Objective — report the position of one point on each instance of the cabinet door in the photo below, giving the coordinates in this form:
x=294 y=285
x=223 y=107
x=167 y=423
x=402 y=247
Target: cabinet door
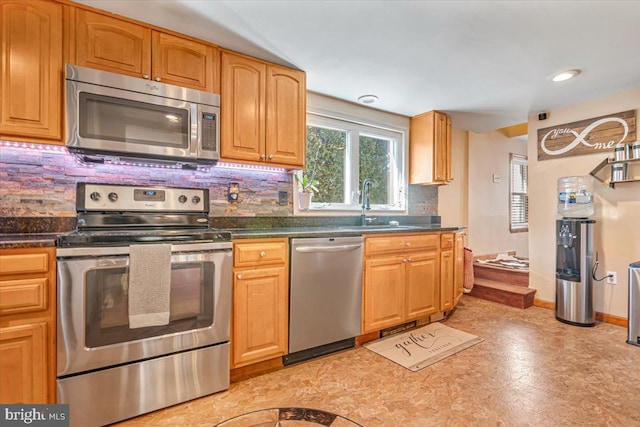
x=31 y=85
x=383 y=293
x=458 y=269
x=448 y=174
x=23 y=363
x=182 y=62
x=421 y=141
x=440 y=149
x=111 y=44
x=242 y=107
x=286 y=117
x=422 y=285
x=446 y=280
x=260 y=315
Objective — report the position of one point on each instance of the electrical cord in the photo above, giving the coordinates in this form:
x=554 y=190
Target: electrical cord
x=593 y=271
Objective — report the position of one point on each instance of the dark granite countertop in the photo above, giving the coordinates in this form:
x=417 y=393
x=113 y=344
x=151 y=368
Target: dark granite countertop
x=28 y=240
x=33 y=232
x=334 y=231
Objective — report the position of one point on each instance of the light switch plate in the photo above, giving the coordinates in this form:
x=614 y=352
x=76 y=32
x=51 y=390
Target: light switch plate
x=496 y=178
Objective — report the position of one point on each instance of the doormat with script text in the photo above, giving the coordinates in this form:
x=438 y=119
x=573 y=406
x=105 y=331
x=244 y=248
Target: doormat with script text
x=424 y=346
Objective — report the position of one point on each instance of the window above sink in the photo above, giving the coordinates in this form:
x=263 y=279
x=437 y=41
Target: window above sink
x=342 y=153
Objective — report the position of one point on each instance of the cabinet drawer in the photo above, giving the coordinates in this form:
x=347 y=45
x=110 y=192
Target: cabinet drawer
x=259 y=253
x=446 y=241
x=24 y=263
x=377 y=245
x=19 y=296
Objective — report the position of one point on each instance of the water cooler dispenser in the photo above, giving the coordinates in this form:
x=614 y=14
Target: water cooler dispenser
x=575 y=303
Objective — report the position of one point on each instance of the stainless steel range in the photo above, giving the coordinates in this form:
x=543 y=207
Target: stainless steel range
x=144 y=302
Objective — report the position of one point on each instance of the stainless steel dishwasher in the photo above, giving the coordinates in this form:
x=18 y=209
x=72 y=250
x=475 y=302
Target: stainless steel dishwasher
x=325 y=296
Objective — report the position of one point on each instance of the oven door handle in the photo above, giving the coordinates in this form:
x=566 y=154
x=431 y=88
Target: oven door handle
x=124 y=250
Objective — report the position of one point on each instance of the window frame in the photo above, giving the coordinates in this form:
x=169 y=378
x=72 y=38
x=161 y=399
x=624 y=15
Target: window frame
x=518 y=159
x=398 y=176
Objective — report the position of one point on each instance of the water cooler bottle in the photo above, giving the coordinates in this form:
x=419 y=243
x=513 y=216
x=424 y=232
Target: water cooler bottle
x=575 y=303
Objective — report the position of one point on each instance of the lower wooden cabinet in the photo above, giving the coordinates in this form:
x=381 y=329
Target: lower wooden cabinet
x=421 y=290
x=260 y=321
x=446 y=280
x=400 y=283
x=23 y=363
x=27 y=325
x=458 y=267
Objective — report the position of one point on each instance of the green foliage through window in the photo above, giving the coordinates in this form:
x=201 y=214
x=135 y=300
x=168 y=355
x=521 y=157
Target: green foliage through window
x=342 y=154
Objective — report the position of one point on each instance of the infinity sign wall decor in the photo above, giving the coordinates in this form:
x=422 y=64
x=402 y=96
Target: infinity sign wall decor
x=599 y=134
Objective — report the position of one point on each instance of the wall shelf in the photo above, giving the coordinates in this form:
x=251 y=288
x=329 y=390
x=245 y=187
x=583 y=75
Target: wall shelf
x=602 y=172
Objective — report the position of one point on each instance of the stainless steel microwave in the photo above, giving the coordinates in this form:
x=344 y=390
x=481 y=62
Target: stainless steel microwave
x=111 y=117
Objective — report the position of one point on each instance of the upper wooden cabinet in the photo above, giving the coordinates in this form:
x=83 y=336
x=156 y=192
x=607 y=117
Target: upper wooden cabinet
x=263 y=112
x=31 y=85
x=242 y=103
x=109 y=44
x=286 y=116
x=185 y=62
x=27 y=325
x=119 y=46
x=430 y=149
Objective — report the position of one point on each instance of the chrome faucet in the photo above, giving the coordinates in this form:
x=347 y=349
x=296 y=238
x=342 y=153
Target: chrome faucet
x=365 y=203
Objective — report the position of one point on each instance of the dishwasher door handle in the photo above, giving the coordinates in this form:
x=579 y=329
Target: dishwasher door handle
x=337 y=248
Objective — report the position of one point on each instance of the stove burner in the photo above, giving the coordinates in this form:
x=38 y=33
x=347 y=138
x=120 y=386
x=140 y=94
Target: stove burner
x=137 y=214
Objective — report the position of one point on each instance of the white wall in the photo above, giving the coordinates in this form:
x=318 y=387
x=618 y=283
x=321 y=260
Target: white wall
x=453 y=206
x=617 y=211
x=489 y=201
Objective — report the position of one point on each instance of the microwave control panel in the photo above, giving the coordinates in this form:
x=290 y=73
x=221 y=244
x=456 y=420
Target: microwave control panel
x=208 y=125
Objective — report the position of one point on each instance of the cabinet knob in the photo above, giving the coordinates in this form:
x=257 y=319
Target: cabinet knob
x=158 y=78
x=410 y=259
x=404 y=260
x=270 y=156
x=239 y=277
x=263 y=253
x=408 y=244
x=445 y=255
x=262 y=156
x=145 y=76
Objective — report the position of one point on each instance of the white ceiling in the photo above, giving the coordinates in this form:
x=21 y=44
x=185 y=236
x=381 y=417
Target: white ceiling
x=486 y=63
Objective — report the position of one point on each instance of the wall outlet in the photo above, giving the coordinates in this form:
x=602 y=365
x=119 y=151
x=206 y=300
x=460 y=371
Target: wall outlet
x=283 y=198
x=234 y=192
x=612 y=278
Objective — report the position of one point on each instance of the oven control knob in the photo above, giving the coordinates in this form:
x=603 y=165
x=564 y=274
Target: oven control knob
x=196 y=199
x=182 y=199
x=95 y=196
x=113 y=196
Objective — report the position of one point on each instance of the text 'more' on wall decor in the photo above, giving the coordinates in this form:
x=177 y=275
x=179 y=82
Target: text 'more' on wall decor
x=596 y=135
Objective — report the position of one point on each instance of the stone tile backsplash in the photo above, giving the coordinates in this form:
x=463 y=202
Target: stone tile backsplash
x=41 y=181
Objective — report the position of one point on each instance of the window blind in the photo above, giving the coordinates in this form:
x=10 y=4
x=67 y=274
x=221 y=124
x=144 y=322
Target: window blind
x=519 y=200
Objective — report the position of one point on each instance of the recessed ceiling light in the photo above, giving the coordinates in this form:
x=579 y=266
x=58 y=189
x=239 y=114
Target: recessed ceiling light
x=368 y=99
x=565 y=75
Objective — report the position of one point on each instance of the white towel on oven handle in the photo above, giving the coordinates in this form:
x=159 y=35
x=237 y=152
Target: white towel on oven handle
x=149 y=285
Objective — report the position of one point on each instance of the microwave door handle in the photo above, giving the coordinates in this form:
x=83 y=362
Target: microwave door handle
x=196 y=139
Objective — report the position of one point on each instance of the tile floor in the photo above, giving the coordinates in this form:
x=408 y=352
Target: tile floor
x=531 y=370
